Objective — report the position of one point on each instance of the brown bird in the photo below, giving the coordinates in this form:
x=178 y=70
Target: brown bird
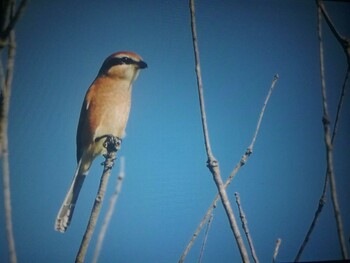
x=105 y=111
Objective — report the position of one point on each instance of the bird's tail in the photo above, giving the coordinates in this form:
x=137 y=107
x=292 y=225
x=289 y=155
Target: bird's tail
x=67 y=208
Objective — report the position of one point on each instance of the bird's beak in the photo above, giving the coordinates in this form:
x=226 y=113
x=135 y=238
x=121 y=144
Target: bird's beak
x=141 y=64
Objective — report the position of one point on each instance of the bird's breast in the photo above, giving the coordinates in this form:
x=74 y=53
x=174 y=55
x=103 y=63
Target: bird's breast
x=108 y=108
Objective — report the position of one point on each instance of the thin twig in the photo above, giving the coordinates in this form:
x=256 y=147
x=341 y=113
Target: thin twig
x=277 y=247
x=241 y=162
x=112 y=145
x=328 y=144
x=275 y=78
x=340 y=103
x=320 y=206
x=205 y=238
x=212 y=163
x=110 y=211
x=245 y=228
x=198 y=230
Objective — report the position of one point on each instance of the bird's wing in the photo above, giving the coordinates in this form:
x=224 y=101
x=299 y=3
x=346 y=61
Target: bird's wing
x=83 y=130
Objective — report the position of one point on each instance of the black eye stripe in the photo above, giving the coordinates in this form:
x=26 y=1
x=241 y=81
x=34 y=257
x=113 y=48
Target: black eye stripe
x=116 y=61
x=127 y=60
x=120 y=61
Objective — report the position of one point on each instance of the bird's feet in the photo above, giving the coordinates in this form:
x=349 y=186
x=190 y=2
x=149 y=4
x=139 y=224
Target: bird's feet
x=110 y=139
x=112 y=145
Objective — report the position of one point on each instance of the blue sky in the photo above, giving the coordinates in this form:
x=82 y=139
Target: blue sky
x=167 y=189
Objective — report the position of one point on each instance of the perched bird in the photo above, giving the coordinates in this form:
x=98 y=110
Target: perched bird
x=105 y=112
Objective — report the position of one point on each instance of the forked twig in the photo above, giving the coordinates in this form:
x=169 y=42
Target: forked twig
x=241 y=162
x=343 y=41
x=328 y=144
x=110 y=210
x=322 y=199
x=112 y=144
x=212 y=163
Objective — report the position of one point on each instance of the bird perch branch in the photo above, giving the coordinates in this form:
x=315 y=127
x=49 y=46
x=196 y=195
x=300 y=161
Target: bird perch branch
x=112 y=144
x=5 y=95
x=110 y=211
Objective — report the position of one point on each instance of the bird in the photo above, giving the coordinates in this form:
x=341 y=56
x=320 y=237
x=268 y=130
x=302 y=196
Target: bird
x=105 y=112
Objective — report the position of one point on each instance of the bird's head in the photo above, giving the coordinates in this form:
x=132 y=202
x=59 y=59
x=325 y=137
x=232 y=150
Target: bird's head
x=123 y=65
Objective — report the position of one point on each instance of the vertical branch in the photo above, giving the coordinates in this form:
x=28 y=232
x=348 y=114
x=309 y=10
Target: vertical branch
x=112 y=144
x=199 y=83
x=6 y=94
x=6 y=85
x=212 y=163
x=205 y=238
x=110 y=211
x=245 y=228
x=344 y=43
x=239 y=165
x=328 y=144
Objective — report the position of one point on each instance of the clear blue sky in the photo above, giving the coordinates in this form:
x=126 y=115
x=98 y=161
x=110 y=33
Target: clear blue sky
x=60 y=48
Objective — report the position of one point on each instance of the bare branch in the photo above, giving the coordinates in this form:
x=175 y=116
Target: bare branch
x=323 y=198
x=241 y=162
x=110 y=211
x=328 y=144
x=212 y=163
x=7 y=20
x=275 y=78
x=6 y=86
x=245 y=228
x=113 y=145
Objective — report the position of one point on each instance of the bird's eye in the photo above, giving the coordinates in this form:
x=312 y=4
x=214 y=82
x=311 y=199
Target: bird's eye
x=127 y=60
